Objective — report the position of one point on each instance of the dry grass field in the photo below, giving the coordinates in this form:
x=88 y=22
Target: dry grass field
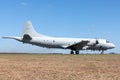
x=59 y=67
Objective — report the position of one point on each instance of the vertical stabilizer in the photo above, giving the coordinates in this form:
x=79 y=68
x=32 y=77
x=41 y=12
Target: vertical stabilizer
x=29 y=30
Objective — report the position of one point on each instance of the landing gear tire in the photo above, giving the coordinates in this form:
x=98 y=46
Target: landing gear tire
x=77 y=52
x=102 y=52
x=72 y=52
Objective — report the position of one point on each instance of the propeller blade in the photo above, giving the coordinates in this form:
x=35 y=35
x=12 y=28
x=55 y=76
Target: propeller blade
x=97 y=42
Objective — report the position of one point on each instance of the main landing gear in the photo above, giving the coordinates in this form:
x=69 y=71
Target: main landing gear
x=76 y=52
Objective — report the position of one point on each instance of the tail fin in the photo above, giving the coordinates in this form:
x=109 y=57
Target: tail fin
x=29 y=30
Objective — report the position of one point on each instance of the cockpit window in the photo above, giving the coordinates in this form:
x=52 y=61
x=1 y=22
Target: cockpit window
x=107 y=41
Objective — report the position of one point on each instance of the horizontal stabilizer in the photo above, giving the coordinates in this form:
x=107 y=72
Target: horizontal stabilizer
x=10 y=37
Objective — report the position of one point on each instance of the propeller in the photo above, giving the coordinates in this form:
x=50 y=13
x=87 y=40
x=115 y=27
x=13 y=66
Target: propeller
x=96 y=42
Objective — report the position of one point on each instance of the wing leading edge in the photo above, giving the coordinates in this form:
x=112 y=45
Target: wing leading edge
x=78 y=46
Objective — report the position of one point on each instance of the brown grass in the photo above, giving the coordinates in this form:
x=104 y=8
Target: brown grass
x=59 y=67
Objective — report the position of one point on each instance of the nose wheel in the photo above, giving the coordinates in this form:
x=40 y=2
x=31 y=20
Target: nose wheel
x=102 y=52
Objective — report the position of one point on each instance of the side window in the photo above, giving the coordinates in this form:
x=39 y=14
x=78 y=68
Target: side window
x=53 y=40
x=107 y=41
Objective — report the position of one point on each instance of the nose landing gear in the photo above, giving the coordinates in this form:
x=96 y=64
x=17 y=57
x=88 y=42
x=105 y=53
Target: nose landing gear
x=102 y=52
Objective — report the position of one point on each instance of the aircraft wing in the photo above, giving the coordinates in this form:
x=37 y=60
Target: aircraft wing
x=78 y=46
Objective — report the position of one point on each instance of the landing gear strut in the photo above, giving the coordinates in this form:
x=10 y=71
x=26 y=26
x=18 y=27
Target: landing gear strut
x=102 y=52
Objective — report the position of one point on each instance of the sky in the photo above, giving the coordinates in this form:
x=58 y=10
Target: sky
x=61 y=18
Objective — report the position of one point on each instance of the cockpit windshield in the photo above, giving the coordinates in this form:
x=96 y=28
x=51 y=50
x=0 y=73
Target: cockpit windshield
x=107 y=41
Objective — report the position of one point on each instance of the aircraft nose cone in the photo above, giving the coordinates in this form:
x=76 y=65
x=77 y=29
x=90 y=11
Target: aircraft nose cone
x=112 y=46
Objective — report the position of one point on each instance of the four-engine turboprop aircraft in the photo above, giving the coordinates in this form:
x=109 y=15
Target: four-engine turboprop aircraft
x=30 y=36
